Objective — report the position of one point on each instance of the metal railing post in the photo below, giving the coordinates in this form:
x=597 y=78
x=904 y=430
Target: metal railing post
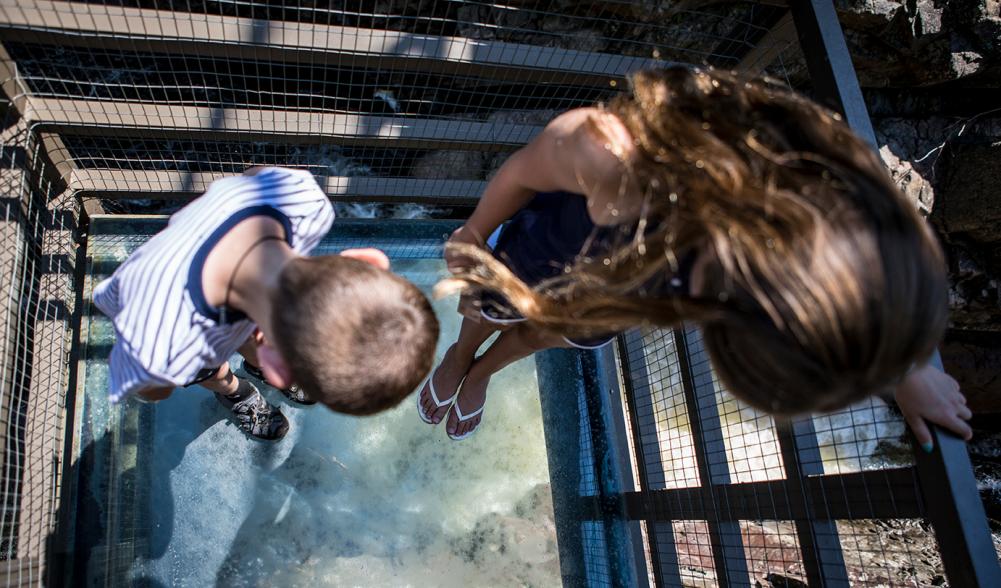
x=946 y=475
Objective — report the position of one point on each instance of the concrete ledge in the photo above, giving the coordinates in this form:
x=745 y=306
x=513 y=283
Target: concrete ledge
x=114 y=118
x=122 y=184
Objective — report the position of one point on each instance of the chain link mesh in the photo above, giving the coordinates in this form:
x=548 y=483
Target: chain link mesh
x=133 y=106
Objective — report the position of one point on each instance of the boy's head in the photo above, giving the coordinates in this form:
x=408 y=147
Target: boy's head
x=354 y=336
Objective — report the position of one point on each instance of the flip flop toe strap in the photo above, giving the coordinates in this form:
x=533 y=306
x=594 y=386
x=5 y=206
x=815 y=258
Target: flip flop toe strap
x=434 y=394
x=438 y=403
x=465 y=417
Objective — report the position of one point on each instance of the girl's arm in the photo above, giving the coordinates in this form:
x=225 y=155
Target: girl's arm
x=564 y=156
x=511 y=188
x=928 y=393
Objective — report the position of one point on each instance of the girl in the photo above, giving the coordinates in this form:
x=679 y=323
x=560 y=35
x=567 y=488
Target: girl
x=701 y=196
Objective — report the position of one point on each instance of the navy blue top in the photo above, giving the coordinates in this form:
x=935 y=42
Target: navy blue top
x=548 y=235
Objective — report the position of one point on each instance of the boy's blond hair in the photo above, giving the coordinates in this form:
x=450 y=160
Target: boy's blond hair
x=357 y=338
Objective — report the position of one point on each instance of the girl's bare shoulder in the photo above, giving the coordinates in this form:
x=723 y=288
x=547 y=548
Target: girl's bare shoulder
x=586 y=147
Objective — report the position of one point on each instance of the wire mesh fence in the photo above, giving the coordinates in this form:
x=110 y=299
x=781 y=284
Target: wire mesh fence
x=37 y=261
x=406 y=90
x=821 y=501
x=134 y=106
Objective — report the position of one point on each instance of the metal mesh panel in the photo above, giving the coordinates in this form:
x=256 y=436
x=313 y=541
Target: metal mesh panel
x=694 y=553
x=597 y=569
x=136 y=105
x=428 y=90
x=884 y=553
x=772 y=551
x=139 y=76
x=721 y=34
x=38 y=232
x=870 y=435
x=588 y=479
x=827 y=500
x=750 y=449
x=661 y=414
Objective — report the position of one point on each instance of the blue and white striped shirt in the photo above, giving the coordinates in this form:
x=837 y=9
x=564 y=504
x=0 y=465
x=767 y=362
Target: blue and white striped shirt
x=166 y=332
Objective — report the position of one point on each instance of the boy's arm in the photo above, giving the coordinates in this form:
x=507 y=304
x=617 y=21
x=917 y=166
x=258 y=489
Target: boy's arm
x=127 y=375
x=154 y=394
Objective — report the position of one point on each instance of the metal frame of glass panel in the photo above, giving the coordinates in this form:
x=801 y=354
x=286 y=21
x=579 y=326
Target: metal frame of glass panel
x=630 y=509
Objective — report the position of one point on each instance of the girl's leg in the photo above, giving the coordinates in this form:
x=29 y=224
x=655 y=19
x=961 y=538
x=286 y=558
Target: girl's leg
x=454 y=365
x=512 y=345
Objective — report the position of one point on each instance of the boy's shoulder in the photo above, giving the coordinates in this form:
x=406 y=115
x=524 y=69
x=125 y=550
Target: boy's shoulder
x=266 y=182
x=294 y=192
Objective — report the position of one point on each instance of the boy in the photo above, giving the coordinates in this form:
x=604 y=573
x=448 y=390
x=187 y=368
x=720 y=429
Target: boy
x=229 y=273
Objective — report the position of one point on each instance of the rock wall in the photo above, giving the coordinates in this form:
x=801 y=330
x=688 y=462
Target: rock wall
x=923 y=42
x=931 y=72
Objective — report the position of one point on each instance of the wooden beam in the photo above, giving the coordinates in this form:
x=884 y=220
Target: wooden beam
x=15 y=90
x=132 y=29
x=58 y=154
x=113 y=118
x=10 y=82
x=122 y=184
x=775 y=41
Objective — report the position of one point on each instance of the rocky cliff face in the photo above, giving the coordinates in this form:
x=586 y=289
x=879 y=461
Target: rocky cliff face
x=922 y=42
x=931 y=72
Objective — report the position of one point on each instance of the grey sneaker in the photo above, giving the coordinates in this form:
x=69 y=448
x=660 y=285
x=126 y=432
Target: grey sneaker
x=293 y=393
x=256 y=417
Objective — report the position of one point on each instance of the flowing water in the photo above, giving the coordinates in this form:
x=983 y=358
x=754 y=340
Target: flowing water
x=173 y=495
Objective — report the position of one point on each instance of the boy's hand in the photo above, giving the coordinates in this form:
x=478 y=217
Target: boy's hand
x=928 y=393
x=154 y=394
x=370 y=255
x=462 y=235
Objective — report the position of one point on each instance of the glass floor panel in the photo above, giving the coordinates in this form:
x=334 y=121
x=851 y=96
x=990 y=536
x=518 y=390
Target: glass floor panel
x=172 y=494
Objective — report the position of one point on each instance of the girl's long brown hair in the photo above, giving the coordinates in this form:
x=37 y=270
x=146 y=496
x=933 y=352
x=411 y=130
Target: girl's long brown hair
x=825 y=284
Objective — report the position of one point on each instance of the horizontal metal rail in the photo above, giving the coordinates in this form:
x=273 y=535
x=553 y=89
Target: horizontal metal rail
x=883 y=494
x=20 y=572
x=104 y=26
x=122 y=184
x=130 y=119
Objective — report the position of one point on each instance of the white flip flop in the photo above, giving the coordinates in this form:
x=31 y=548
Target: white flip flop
x=463 y=418
x=434 y=398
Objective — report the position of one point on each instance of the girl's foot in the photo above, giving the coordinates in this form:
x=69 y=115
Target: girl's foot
x=445 y=379
x=467 y=411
